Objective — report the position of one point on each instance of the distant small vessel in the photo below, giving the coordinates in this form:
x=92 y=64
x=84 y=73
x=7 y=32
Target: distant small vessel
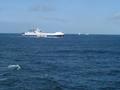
x=37 y=32
x=83 y=33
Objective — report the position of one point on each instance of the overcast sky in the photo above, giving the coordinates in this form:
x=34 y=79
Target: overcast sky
x=69 y=16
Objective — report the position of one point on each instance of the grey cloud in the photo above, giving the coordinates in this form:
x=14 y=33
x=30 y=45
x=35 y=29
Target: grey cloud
x=116 y=16
x=54 y=19
x=42 y=8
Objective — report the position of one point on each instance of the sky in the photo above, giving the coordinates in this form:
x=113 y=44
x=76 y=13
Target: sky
x=68 y=16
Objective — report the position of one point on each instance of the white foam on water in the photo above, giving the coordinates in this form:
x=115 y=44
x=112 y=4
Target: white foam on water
x=14 y=67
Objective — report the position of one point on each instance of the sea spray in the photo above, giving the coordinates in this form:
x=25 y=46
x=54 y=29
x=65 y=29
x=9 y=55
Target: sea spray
x=17 y=67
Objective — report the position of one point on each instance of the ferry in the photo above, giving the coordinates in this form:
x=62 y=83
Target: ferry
x=38 y=33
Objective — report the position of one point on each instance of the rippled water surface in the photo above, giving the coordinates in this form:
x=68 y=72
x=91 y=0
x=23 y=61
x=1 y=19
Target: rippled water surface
x=74 y=62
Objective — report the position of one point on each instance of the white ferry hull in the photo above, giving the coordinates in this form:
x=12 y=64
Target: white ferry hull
x=42 y=34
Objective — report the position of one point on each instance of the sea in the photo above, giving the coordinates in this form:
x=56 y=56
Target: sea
x=73 y=62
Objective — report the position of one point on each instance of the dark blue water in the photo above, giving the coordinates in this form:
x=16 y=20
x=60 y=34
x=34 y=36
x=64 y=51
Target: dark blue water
x=85 y=62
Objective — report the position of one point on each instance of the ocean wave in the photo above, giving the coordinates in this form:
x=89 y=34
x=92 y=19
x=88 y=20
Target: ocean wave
x=17 y=67
x=42 y=83
x=88 y=51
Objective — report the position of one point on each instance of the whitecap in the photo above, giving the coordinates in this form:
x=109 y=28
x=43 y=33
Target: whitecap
x=14 y=67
